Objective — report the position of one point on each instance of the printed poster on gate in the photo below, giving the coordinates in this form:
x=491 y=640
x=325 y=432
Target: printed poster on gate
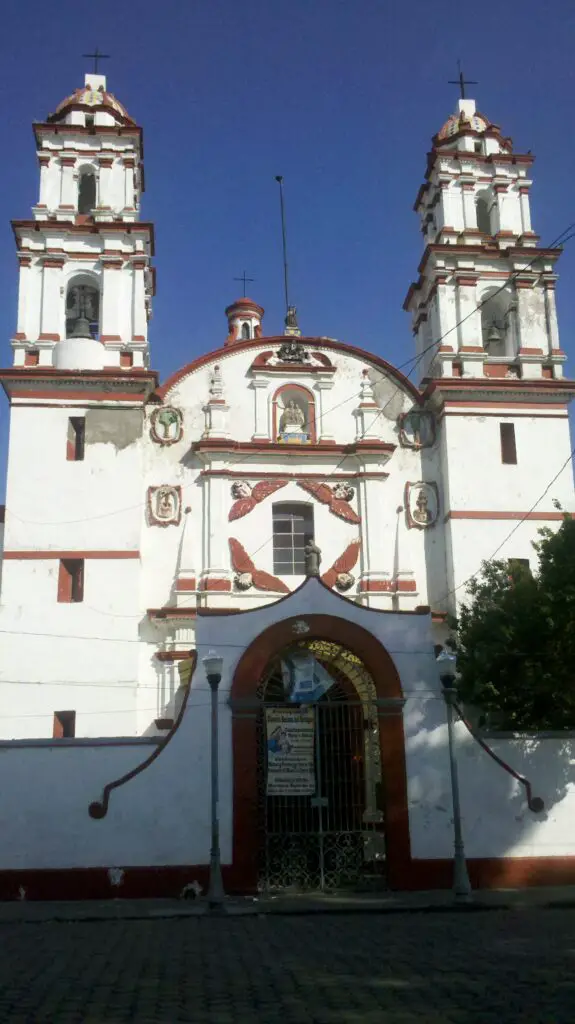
x=289 y=740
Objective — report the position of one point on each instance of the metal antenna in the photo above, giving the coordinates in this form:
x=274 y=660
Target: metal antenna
x=280 y=181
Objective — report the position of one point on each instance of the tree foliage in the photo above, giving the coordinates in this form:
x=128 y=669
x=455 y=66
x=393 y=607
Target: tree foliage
x=515 y=638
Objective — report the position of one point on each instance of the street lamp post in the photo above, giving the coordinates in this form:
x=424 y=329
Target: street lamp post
x=462 y=892
x=213 y=668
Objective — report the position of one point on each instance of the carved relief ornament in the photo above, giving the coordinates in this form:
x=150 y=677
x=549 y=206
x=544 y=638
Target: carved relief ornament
x=421 y=505
x=164 y=505
x=166 y=425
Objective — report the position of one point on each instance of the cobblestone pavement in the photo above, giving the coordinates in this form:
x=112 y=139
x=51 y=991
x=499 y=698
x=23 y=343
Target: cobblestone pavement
x=495 y=966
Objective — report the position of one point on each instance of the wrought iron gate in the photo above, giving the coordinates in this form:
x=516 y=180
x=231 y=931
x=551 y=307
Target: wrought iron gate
x=331 y=837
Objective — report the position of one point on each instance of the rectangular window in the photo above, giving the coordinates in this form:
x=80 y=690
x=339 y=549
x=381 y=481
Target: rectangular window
x=31 y=357
x=75 y=441
x=292 y=526
x=508 y=448
x=71 y=581
x=64 y=725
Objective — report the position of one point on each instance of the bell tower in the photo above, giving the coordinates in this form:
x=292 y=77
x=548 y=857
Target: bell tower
x=491 y=366
x=86 y=282
x=485 y=287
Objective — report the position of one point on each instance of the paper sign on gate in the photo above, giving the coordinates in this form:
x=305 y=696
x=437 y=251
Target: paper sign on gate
x=290 y=749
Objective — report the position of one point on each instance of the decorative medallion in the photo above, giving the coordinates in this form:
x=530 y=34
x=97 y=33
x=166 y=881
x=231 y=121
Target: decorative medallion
x=421 y=505
x=248 y=576
x=164 y=505
x=339 y=575
x=166 y=425
x=247 y=497
x=300 y=627
x=339 y=506
x=416 y=429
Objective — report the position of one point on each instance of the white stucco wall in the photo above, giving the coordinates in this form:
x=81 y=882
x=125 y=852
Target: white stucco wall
x=161 y=817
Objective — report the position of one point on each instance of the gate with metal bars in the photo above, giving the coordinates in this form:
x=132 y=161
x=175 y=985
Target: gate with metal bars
x=325 y=831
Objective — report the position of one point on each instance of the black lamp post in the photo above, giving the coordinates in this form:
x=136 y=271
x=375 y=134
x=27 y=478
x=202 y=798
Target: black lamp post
x=462 y=892
x=213 y=668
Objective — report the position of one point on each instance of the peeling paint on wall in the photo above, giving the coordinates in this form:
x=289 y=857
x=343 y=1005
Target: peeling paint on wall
x=120 y=427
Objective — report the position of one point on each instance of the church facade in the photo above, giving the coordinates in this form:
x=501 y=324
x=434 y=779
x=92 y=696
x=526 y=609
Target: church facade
x=294 y=503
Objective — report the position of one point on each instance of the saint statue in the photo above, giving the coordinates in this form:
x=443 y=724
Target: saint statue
x=422 y=513
x=292 y=420
x=312 y=557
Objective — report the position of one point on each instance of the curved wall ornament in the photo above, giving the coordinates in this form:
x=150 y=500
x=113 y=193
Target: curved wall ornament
x=98 y=809
x=340 y=575
x=421 y=502
x=248 y=576
x=416 y=429
x=338 y=506
x=166 y=425
x=247 y=497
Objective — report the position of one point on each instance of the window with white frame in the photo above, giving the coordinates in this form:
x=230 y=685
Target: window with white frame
x=292 y=528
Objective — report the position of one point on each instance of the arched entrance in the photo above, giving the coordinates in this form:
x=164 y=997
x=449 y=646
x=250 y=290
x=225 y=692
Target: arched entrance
x=320 y=794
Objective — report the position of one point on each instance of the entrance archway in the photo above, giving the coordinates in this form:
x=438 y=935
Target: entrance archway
x=248 y=691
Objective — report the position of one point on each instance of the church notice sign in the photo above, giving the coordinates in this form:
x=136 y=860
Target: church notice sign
x=290 y=736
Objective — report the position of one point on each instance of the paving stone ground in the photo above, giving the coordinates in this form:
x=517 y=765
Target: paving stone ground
x=500 y=966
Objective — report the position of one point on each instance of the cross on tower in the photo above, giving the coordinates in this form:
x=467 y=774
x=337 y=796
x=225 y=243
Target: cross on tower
x=244 y=281
x=461 y=81
x=97 y=56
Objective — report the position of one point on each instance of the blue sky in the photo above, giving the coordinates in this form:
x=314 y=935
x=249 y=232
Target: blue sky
x=339 y=96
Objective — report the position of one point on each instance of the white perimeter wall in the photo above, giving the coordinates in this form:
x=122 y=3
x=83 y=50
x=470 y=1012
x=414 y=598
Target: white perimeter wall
x=161 y=817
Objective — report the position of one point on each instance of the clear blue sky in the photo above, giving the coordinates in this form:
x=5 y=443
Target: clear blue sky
x=339 y=96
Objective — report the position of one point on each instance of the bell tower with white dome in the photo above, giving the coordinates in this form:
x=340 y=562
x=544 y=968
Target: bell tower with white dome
x=485 y=287
x=86 y=281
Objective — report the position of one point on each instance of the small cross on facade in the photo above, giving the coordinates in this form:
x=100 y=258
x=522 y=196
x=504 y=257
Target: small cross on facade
x=461 y=81
x=244 y=281
x=96 y=57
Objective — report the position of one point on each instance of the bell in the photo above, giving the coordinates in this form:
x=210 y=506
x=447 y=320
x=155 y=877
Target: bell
x=494 y=335
x=81 y=328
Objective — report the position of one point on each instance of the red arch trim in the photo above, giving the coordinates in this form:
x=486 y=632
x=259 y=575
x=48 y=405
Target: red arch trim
x=249 y=670
x=334 y=346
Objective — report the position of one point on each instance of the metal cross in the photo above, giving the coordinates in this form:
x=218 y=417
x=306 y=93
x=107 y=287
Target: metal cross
x=244 y=281
x=461 y=81
x=97 y=56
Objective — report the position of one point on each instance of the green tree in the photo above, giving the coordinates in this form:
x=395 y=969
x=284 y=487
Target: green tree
x=515 y=638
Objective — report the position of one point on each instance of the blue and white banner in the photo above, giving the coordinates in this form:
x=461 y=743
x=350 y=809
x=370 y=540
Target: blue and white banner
x=304 y=679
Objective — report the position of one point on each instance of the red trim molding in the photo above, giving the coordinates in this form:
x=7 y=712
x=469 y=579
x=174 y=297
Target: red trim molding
x=387 y=586
x=544 y=517
x=164 y=881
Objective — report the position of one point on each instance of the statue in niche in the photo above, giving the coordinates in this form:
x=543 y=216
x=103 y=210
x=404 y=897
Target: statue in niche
x=292 y=420
x=421 y=513
x=164 y=505
x=421 y=504
x=312 y=557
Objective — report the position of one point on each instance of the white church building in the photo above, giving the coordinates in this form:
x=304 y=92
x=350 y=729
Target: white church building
x=296 y=504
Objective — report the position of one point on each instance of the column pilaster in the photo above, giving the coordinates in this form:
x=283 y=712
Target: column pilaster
x=261 y=425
